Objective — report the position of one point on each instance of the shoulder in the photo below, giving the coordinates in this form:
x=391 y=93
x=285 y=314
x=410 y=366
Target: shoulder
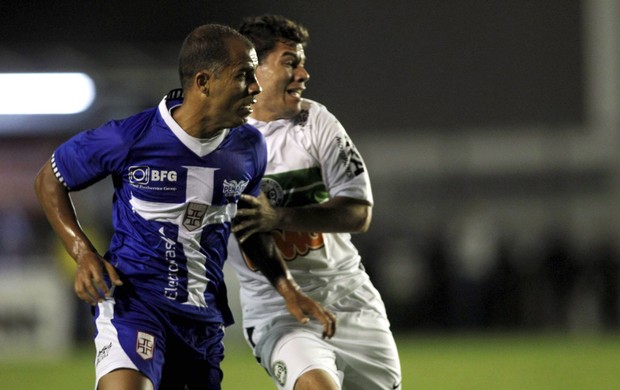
x=125 y=132
x=248 y=135
x=317 y=122
x=312 y=105
x=247 y=131
x=116 y=134
x=312 y=113
x=138 y=123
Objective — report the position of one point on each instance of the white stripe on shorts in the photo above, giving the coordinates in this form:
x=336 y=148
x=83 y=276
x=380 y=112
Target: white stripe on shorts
x=110 y=354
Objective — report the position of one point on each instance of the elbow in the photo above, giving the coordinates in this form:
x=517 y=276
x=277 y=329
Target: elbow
x=46 y=184
x=38 y=184
x=363 y=219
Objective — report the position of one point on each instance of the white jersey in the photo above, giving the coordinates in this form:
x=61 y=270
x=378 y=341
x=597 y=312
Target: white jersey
x=310 y=159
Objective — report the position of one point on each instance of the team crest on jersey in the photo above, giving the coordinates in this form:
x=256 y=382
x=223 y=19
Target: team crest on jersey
x=194 y=215
x=145 y=345
x=273 y=190
x=302 y=118
x=234 y=188
x=279 y=372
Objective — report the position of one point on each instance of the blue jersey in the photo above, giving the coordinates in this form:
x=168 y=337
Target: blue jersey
x=174 y=198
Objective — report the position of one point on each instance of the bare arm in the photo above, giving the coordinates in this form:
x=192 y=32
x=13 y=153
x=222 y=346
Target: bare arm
x=339 y=214
x=262 y=250
x=89 y=284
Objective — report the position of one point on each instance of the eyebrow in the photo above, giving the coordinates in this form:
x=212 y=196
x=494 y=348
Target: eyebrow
x=243 y=69
x=292 y=54
x=243 y=65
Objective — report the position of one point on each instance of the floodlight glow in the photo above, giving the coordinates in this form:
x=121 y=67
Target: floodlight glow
x=45 y=93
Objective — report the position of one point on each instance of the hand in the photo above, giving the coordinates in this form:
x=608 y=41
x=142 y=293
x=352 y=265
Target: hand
x=89 y=284
x=298 y=304
x=259 y=216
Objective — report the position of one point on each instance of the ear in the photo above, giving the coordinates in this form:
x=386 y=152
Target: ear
x=201 y=80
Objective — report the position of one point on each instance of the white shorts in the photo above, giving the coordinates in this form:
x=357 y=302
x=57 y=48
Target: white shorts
x=361 y=356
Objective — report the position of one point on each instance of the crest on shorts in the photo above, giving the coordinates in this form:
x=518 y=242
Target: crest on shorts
x=279 y=372
x=145 y=345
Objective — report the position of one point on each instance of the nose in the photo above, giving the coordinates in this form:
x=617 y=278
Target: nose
x=301 y=74
x=254 y=88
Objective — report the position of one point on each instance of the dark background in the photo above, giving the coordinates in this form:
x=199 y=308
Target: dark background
x=380 y=65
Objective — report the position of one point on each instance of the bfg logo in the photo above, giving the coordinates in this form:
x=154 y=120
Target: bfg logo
x=143 y=175
x=139 y=175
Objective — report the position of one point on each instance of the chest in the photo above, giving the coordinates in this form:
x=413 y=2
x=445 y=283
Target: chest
x=177 y=175
x=290 y=151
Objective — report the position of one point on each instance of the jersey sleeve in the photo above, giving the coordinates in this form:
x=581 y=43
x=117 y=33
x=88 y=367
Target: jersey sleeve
x=343 y=168
x=90 y=156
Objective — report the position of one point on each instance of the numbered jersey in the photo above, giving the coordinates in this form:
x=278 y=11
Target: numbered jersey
x=310 y=159
x=174 y=198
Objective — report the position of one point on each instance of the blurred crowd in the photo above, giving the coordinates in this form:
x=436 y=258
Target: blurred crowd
x=476 y=279
x=454 y=278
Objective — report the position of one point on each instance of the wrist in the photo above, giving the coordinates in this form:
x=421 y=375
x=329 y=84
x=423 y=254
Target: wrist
x=286 y=285
x=283 y=218
x=81 y=250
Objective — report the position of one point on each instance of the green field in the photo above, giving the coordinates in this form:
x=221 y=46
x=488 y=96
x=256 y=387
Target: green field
x=483 y=361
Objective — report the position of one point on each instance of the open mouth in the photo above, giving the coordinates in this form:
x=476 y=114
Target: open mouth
x=296 y=93
x=247 y=109
x=248 y=105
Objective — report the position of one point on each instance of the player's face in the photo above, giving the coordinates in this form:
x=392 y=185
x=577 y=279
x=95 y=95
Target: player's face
x=283 y=77
x=233 y=92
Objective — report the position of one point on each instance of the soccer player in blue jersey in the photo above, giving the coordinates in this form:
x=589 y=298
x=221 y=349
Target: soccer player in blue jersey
x=319 y=190
x=178 y=171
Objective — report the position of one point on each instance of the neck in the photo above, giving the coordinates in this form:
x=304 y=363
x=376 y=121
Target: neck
x=265 y=116
x=195 y=124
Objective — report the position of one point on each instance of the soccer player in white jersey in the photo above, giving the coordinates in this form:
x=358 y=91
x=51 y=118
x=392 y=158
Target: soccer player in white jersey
x=317 y=193
x=178 y=171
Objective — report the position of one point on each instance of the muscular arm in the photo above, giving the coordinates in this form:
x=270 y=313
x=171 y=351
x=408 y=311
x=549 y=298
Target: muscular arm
x=261 y=248
x=54 y=199
x=339 y=214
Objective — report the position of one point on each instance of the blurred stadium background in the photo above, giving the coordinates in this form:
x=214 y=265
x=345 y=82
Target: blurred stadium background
x=490 y=129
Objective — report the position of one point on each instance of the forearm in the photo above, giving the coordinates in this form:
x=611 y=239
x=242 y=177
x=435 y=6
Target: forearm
x=60 y=213
x=261 y=249
x=336 y=215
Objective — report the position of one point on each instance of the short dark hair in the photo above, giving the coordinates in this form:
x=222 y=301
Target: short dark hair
x=206 y=47
x=266 y=30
